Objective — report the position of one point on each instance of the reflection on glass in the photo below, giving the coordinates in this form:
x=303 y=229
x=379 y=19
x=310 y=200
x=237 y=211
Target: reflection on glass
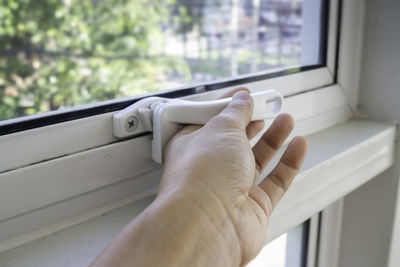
x=62 y=53
x=285 y=251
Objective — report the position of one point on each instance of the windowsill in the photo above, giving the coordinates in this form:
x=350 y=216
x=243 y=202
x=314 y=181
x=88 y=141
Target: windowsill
x=340 y=159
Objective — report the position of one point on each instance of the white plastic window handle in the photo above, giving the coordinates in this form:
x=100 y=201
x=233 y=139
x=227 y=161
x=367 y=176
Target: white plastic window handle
x=164 y=116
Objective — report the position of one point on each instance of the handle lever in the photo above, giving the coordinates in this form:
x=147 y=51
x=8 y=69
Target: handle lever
x=164 y=116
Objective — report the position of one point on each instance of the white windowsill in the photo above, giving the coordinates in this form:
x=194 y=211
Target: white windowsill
x=340 y=159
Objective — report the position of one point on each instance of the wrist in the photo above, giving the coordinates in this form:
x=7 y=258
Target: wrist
x=194 y=232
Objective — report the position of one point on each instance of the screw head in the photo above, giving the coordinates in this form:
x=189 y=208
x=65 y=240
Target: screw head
x=131 y=124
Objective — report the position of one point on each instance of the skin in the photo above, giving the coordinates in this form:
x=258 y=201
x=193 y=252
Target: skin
x=208 y=210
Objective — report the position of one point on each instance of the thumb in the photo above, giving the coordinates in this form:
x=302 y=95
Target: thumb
x=239 y=110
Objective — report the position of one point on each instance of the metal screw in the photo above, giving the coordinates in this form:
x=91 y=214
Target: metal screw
x=131 y=124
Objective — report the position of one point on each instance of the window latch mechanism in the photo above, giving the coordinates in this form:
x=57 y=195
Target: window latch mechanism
x=163 y=116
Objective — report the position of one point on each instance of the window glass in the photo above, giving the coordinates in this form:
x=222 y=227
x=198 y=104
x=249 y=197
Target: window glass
x=62 y=53
x=288 y=250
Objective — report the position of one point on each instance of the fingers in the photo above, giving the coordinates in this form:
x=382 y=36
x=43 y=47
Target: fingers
x=253 y=128
x=238 y=112
x=272 y=140
x=280 y=178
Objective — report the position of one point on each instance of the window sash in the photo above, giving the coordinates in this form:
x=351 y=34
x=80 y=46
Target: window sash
x=326 y=45
x=73 y=136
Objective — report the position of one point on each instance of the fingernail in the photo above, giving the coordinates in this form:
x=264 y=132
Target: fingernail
x=241 y=95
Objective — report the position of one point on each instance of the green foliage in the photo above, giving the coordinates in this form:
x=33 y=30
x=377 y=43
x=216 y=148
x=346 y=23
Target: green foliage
x=62 y=53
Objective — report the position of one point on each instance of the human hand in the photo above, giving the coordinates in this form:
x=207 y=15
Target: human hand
x=208 y=211
x=213 y=168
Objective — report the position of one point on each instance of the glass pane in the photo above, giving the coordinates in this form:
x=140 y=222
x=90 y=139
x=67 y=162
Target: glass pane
x=62 y=53
x=288 y=250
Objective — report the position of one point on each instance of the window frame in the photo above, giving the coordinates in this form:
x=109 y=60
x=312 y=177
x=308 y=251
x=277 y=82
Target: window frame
x=43 y=153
